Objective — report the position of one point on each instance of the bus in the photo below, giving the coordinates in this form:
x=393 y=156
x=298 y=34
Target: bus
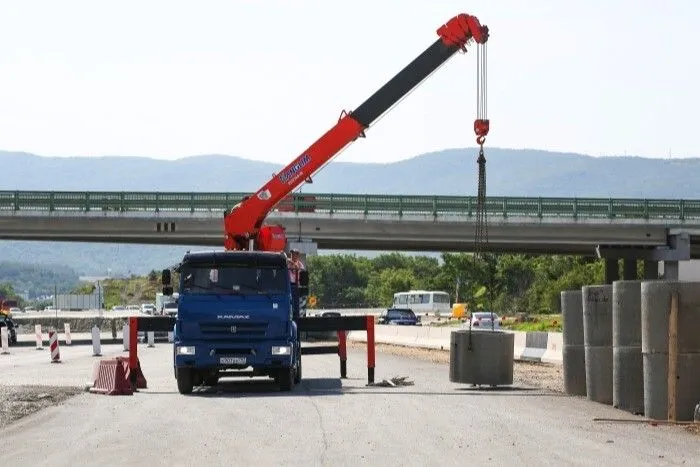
x=424 y=301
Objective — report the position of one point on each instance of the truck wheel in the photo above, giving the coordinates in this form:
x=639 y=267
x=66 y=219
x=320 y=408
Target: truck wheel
x=286 y=378
x=297 y=374
x=185 y=382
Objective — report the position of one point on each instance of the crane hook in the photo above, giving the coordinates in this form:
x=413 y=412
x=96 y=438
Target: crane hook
x=481 y=128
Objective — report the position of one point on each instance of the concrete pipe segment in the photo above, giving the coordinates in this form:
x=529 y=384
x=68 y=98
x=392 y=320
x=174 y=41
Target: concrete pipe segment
x=573 y=349
x=481 y=357
x=597 y=338
x=628 y=372
x=656 y=312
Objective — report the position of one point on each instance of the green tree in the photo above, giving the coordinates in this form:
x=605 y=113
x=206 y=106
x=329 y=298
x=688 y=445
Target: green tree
x=85 y=288
x=335 y=279
x=382 y=286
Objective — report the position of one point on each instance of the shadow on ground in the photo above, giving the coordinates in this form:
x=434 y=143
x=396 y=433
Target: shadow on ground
x=260 y=387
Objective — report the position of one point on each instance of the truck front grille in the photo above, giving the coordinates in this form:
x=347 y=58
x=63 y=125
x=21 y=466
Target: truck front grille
x=247 y=330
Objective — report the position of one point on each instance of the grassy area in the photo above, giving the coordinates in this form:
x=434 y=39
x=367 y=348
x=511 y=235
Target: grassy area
x=448 y=322
x=547 y=323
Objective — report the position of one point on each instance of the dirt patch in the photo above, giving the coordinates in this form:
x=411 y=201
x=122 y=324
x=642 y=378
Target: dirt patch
x=695 y=429
x=540 y=375
x=19 y=401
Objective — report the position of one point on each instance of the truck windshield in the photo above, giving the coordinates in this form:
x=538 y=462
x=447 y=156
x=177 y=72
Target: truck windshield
x=233 y=279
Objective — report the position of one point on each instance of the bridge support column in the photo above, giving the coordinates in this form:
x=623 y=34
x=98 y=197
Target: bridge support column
x=629 y=269
x=651 y=270
x=612 y=270
x=670 y=270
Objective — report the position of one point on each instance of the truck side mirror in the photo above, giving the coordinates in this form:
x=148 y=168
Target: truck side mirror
x=303 y=286
x=165 y=279
x=303 y=278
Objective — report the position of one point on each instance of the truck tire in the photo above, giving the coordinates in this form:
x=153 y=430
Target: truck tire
x=185 y=382
x=286 y=378
x=297 y=374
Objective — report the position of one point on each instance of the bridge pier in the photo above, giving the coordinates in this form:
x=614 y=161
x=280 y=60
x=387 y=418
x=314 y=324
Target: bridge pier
x=651 y=270
x=671 y=270
x=612 y=270
x=677 y=249
x=629 y=269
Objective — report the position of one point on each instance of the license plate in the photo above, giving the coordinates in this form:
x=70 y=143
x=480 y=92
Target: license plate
x=232 y=360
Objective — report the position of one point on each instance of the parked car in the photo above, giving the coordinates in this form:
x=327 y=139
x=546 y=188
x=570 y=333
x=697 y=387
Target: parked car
x=11 y=330
x=329 y=314
x=398 y=316
x=482 y=320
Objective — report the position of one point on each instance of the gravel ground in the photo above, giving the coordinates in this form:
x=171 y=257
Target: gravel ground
x=539 y=375
x=19 y=401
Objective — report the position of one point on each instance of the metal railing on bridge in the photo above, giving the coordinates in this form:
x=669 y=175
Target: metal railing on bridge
x=396 y=205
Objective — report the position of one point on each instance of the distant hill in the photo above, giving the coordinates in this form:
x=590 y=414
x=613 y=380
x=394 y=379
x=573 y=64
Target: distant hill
x=510 y=172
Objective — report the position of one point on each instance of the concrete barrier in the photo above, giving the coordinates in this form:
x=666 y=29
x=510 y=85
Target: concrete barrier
x=533 y=346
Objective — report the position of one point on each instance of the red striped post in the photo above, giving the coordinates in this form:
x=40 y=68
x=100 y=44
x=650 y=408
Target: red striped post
x=343 y=353
x=370 y=349
x=53 y=345
x=133 y=347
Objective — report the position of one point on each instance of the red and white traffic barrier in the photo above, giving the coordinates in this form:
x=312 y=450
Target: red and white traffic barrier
x=96 y=350
x=66 y=329
x=151 y=336
x=4 y=341
x=53 y=345
x=39 y=339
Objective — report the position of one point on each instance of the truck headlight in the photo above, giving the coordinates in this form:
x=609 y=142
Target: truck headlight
x=185 y=350
x=281 y=350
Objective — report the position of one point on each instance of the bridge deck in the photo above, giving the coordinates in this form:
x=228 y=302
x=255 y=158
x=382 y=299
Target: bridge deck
x=358 y=222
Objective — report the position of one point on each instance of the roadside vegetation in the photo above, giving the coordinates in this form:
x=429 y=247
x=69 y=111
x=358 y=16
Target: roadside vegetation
x=510 y=285
x=133 y=291
x=523 y=289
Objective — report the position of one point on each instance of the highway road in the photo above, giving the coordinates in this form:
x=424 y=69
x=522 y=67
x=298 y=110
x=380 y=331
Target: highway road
x=322 y=422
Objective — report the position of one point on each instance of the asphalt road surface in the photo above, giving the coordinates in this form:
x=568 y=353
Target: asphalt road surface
x=322 y=422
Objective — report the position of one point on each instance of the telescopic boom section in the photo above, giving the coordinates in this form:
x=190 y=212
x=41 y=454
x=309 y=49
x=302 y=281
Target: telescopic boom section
x=245 y=221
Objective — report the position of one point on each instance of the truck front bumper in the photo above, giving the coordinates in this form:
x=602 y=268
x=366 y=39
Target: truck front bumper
x=272 y=354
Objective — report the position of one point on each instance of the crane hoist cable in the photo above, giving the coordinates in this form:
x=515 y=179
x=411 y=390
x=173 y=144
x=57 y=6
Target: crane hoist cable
x=481 y=128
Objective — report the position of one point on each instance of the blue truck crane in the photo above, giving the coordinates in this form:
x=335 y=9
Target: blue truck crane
x=235 y=307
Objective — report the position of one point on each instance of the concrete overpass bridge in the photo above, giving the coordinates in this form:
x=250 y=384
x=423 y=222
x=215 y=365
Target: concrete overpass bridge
x=631 y=229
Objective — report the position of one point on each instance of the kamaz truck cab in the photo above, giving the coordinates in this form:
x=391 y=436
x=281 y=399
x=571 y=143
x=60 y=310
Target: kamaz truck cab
x=234 y=314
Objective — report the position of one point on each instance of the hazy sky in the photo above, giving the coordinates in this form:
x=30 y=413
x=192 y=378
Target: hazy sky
x=264 y=79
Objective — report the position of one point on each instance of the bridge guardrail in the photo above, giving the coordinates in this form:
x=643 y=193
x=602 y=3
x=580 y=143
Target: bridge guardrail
x=397 y=205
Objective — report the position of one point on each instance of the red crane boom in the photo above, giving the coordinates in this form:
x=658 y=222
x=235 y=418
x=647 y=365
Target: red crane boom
x=243 y=225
